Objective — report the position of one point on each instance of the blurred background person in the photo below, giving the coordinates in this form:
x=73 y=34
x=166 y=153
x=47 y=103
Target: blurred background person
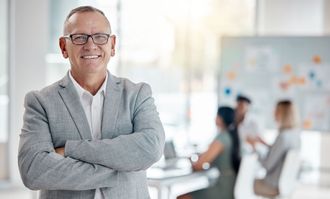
x=288 y=138
x=248 y=129
x=224 y=154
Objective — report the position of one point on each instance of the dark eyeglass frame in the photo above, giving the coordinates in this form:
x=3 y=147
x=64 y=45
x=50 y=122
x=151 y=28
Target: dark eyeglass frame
x=87 y=36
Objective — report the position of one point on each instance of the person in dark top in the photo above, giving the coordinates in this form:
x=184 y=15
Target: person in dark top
x=224 y=154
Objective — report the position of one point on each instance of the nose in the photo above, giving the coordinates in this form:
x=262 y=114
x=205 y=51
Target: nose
x=90 y=44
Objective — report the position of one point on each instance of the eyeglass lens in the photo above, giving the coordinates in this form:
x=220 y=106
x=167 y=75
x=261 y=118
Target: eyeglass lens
x=98 y=38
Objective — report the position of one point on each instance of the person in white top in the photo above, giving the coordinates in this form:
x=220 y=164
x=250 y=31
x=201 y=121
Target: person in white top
x=248 y=128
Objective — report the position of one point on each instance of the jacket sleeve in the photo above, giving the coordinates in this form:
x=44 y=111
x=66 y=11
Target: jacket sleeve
x=41 y=168
x=275 y=155
x=133 y=152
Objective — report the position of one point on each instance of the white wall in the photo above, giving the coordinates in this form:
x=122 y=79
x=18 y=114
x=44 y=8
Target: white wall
x=326 y=17
x=28 y=47
x=291 y=17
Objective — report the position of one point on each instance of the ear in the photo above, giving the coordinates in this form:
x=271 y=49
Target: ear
x=62 y=44
x=113 y=45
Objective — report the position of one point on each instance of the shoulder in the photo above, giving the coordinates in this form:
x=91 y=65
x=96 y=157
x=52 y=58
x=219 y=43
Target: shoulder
x=290 y=138
x=44 y=93
x=290 y=133
x=249 y=126
x=250 y=120
x=130 y=87
x=223 y=137
x=47 y=95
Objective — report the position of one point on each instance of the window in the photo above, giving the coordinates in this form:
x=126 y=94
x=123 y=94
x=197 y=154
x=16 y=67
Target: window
x=174 y=46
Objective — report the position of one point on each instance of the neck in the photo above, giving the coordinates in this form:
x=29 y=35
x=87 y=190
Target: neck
x=90 y=82
x=239 y=118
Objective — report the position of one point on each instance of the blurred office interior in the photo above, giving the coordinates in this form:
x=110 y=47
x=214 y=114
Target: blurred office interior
x=175 y=46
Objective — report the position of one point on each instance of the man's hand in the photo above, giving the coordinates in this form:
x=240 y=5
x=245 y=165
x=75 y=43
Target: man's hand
x=251 y=140
x=60 y=150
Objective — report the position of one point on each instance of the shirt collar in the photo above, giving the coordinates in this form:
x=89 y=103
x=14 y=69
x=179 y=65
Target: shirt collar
x=81 y=90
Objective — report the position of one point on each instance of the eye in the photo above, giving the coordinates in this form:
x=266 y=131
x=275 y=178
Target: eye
x=100 y=37
x=79 y=38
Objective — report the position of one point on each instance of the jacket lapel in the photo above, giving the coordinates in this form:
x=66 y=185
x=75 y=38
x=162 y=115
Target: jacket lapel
x=111 y=106
x=72 y=102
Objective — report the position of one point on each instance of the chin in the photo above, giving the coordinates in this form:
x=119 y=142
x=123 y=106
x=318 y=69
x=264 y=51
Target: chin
x=95 y=69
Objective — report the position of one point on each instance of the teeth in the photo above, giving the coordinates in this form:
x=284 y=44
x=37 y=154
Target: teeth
x=90 y=56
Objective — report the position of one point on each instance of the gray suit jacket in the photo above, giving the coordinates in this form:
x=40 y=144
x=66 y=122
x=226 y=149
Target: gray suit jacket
x=132 y=140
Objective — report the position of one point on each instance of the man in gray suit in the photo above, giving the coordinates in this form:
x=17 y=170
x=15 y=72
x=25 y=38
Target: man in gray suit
x=90 y=135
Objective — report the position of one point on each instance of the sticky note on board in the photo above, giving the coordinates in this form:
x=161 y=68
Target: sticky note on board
x=317 y=59
x=287 y=69
x=284 y=85
x=231 y=75
x=227 y=91
x=307 y=124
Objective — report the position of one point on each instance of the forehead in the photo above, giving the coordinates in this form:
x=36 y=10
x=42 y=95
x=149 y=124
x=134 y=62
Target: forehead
x=242 y=102
x=87 y=22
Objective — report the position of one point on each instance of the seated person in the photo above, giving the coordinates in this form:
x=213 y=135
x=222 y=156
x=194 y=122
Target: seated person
x=287 y=138
x=223 y=153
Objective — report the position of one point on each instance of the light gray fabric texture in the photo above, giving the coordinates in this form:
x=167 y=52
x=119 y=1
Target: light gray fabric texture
x=132 y=140
x=273 y=162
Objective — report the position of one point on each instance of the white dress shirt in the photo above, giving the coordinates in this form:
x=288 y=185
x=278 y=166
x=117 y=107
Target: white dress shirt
x=249 y=128
x=93 y=108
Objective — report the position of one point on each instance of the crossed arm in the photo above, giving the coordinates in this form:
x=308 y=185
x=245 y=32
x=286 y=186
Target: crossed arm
x=133 y=152
x=42 y=167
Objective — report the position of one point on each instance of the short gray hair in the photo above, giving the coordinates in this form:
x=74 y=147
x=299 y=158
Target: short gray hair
x=81 y=9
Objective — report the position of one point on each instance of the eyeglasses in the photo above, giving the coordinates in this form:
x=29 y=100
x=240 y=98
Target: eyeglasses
x=81 y=39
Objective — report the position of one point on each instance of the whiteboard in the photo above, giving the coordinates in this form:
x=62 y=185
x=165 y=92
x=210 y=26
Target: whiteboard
x=268 y=69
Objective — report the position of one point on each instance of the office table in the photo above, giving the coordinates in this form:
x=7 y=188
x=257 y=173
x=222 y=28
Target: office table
x=171 y=187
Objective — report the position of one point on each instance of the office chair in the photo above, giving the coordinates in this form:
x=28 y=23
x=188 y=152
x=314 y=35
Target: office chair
x=289 y=174
x=245 y=178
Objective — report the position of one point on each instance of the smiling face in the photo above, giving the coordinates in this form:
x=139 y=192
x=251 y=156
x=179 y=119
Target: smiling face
x=89 y=58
